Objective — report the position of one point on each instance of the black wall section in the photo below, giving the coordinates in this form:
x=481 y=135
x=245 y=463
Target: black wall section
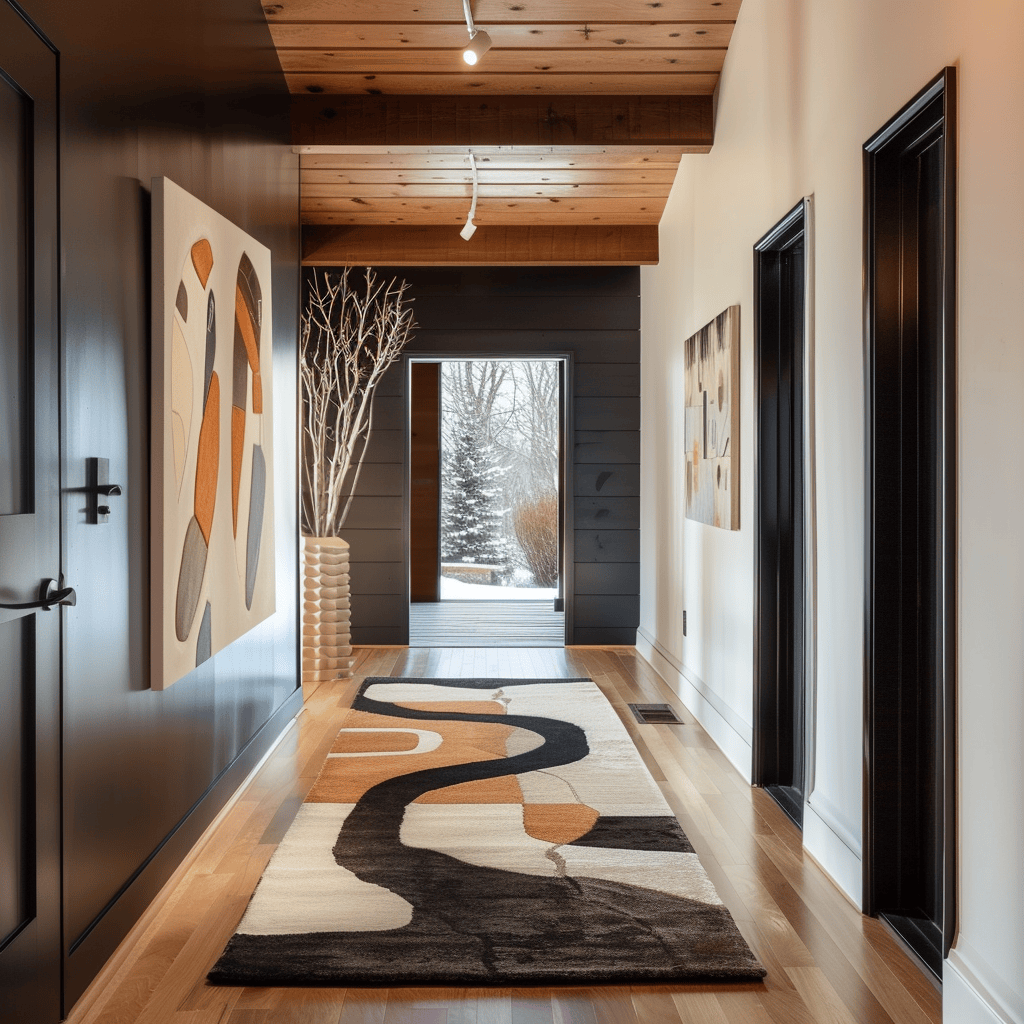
x=191 y=90
x=592 y=313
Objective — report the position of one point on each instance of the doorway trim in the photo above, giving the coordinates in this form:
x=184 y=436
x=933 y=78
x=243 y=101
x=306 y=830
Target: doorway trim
x=880 y=871
x=800 y=220
x=566 y=497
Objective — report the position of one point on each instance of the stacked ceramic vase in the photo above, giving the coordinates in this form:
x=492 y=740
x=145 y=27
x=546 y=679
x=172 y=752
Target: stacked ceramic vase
x=326 y=614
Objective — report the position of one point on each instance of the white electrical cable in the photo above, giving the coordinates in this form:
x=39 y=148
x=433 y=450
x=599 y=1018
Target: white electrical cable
x=467 y=231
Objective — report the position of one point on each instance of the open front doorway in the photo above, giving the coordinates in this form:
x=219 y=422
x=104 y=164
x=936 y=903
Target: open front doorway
x=486 y=502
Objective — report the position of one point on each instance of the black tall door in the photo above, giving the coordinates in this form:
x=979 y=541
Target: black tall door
x=781 y=688
x=29 y=539
x=909 y=690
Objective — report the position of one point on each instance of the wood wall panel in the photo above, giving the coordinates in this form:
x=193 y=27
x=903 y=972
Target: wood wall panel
x=594 y=412
x=607 y=513
x=593 y=315
x=602 y=610
x=610 y=380
x=607 y=546
x=425 y=482
x=600 y=446
x=607 y=578
x=607 y=479
x=377 y=577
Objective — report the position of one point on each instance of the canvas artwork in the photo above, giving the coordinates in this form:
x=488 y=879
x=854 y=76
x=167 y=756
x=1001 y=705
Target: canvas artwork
x=212 y=459
x=712 y=422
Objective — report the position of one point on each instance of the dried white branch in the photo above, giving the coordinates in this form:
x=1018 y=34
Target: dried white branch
x=348 y=341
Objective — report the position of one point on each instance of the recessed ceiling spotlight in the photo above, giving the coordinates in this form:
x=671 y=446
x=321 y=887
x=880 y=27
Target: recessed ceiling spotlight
x=479 y=40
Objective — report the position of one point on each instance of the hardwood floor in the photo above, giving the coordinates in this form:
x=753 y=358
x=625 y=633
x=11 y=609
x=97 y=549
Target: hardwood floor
x=826 y=963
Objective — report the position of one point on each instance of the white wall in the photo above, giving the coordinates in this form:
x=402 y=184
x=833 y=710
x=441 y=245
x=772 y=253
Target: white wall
x=806 y=82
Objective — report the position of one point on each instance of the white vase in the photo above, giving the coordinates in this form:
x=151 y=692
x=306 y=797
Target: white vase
x=326 y=615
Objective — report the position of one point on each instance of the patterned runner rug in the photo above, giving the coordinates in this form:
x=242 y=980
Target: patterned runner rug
x=484 y=831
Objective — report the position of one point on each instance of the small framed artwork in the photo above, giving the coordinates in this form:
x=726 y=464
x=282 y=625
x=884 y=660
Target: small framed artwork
x=712 y=422
x=212 y=437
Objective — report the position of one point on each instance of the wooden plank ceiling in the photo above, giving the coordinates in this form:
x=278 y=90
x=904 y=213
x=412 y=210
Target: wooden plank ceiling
x=577 y=117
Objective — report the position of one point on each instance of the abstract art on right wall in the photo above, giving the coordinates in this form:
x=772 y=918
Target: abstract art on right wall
x=712 y=422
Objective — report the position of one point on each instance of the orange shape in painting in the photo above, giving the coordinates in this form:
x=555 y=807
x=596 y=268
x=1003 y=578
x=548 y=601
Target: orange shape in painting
x=376 y=742
x=208 y=460
x=202 y=260
x=237 y=448
x=558 y=823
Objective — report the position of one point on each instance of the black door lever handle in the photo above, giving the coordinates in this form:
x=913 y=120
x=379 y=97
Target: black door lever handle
x=48 y=597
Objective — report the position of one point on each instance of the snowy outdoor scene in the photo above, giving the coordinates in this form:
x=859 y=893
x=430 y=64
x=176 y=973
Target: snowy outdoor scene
x=499 y=480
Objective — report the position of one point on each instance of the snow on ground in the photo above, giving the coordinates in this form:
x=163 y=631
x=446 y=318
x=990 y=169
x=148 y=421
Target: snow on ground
x=456 y=590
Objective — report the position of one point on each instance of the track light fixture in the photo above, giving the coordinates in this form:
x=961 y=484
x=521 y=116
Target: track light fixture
x=479 y=40
x=467 y=231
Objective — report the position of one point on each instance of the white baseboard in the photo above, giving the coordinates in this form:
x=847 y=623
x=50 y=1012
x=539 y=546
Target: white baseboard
x=833 y=854
x=971 y=994
x=837 y=822
x=733 y=736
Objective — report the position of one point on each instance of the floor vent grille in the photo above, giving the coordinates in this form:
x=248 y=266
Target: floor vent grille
x=655 y=714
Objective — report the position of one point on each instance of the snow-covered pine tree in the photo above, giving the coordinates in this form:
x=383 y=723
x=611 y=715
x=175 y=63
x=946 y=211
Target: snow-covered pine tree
x=472 y=516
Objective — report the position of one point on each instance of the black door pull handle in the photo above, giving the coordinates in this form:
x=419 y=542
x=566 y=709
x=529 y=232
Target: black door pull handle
x=48 y=597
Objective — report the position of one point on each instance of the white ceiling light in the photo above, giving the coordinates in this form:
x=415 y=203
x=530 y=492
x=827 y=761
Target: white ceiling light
x=467 y=231
x=479 y=40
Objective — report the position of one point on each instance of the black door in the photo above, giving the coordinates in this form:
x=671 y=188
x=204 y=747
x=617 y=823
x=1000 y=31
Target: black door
x=779 y=746
x=910 y=572
x=30 y=951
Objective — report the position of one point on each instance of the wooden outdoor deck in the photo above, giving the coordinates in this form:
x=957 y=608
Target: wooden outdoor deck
x=486 y=624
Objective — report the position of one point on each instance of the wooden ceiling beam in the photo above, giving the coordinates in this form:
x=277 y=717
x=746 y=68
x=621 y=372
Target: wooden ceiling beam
x=577 y=61
x=685 y=122
x=588 y=37
x=533 y=84
x=314 y=182
x=499 y=11
x=409 y=246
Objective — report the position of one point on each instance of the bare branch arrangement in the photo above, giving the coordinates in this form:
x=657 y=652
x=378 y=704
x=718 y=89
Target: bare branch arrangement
x=348 y=340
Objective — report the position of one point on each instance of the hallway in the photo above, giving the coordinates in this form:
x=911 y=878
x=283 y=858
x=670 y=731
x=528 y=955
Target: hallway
x=825 y=962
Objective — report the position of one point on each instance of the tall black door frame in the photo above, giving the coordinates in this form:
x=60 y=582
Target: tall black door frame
x=31 y=980
x=566 y=548
x=910 y=571
x=783 y=520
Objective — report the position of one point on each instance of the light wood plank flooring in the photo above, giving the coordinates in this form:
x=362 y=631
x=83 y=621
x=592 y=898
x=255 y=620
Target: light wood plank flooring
x=485 y=624
x=826 y=963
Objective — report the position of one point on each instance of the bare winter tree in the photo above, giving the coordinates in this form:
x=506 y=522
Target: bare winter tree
x=349 y=338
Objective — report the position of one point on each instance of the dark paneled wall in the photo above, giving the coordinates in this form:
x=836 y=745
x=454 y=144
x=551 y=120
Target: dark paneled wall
x=424 y=481
x=591 y=313
x=191 y=90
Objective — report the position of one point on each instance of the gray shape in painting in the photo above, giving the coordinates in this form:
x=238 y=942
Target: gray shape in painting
x=257 y=499
x=211 y=343
x=190 y=579
x=204 y=642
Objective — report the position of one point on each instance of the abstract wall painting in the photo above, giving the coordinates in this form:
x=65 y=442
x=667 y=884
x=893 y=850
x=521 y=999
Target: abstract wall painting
x=212 y=459
x=712 y=422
